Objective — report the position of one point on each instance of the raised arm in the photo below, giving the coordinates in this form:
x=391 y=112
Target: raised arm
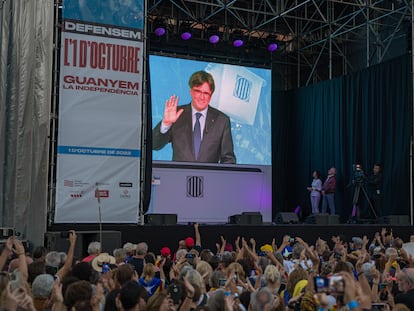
x=69 y=260
x=197 y=235
x=21 y=253
x=7 y=251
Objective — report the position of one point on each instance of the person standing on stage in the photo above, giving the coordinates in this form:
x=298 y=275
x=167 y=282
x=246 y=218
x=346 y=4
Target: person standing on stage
x=374 y=182
x=328 y=192
x=315 y=192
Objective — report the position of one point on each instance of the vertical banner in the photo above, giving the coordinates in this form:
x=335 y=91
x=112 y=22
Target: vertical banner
x=99 y=138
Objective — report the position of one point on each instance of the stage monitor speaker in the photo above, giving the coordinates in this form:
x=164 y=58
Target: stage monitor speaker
x=317 y=219
x=246 y=218
x=395 y=220
x=58 y=241
x=286 y=218
x=160 y=219
x=333 y=220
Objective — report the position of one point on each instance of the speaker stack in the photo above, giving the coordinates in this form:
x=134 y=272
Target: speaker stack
x=160 y=219
x=322 y=219
x=286 y=218
x=246 y=218
x=395 y=220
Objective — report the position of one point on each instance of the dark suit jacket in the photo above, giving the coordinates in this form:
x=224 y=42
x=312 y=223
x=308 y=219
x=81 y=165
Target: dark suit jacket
x=217 y=143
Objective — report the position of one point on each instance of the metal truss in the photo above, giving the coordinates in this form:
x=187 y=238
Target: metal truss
x=319 y=39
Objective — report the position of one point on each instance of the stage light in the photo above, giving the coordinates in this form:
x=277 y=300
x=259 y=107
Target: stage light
x=185 y=31
x=160 y=27
x=237 y=37
x=213 y=34
x=271 y=43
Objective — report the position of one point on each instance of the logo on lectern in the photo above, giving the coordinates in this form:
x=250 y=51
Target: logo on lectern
x=195 y=186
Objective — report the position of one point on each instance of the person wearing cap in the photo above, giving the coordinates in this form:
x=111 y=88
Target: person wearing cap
x=190 y=243
x=165 y=252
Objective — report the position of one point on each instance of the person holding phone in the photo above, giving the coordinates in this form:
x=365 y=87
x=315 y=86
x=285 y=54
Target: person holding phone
x=197 y=131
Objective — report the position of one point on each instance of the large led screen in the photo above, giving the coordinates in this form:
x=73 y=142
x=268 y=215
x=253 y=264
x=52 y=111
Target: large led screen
x=242 y=93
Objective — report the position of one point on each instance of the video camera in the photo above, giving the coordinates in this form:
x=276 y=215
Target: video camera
x=359 y=175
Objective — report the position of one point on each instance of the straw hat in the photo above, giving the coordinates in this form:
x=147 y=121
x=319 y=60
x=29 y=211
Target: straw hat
x=102 y=258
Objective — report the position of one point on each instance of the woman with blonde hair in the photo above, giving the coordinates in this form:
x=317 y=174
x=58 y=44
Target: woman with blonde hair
x=205 y=270
x=272 y=278
x=149 y=281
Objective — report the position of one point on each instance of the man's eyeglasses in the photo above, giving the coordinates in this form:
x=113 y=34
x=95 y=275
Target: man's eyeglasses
x=201 y=93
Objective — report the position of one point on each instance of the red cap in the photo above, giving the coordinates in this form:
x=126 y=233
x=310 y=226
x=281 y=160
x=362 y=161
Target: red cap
x=165 y=252
x=228 y=247
x=189 y=242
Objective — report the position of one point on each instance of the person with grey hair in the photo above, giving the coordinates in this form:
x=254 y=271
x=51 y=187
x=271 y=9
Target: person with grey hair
x=263 y=299
x=120 y=255
x=298 y=258
x=142 y=249
x=216 y=301
x=215 y=278
x=405 y=281
x=138 y=260
x=52 y=262
x=94 y=249
x=41 y=289
x=180 y=254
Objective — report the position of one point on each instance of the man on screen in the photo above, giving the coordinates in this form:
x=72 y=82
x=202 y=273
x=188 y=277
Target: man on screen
x=197 y=132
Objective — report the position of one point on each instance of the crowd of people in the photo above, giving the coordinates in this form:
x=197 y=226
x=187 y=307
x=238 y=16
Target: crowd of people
x=361 y=273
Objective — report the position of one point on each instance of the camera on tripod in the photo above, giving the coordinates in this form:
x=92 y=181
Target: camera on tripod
x=359 y=174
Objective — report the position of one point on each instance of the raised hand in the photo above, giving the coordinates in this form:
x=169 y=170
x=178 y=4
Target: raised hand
x=170 y=111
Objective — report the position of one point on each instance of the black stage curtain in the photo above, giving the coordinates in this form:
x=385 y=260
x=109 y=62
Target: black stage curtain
x=361 y=118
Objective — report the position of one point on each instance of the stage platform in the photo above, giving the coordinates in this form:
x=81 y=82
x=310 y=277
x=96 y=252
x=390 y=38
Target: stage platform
x=115 y=235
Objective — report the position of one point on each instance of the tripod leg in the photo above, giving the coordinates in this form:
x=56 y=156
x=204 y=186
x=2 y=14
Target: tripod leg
x=356 y=194
x=369 y=203
x=355 y=201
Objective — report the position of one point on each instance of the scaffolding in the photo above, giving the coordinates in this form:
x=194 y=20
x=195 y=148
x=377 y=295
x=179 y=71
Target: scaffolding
x=319 y=40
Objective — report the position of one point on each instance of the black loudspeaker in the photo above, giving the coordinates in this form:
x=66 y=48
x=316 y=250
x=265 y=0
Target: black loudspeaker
x=160 y=219
x=247 y=218
x=286 y=218
x=333 y=220
x=317 y=219
x=322 y=219
x=58 y=241
x=395 y=220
